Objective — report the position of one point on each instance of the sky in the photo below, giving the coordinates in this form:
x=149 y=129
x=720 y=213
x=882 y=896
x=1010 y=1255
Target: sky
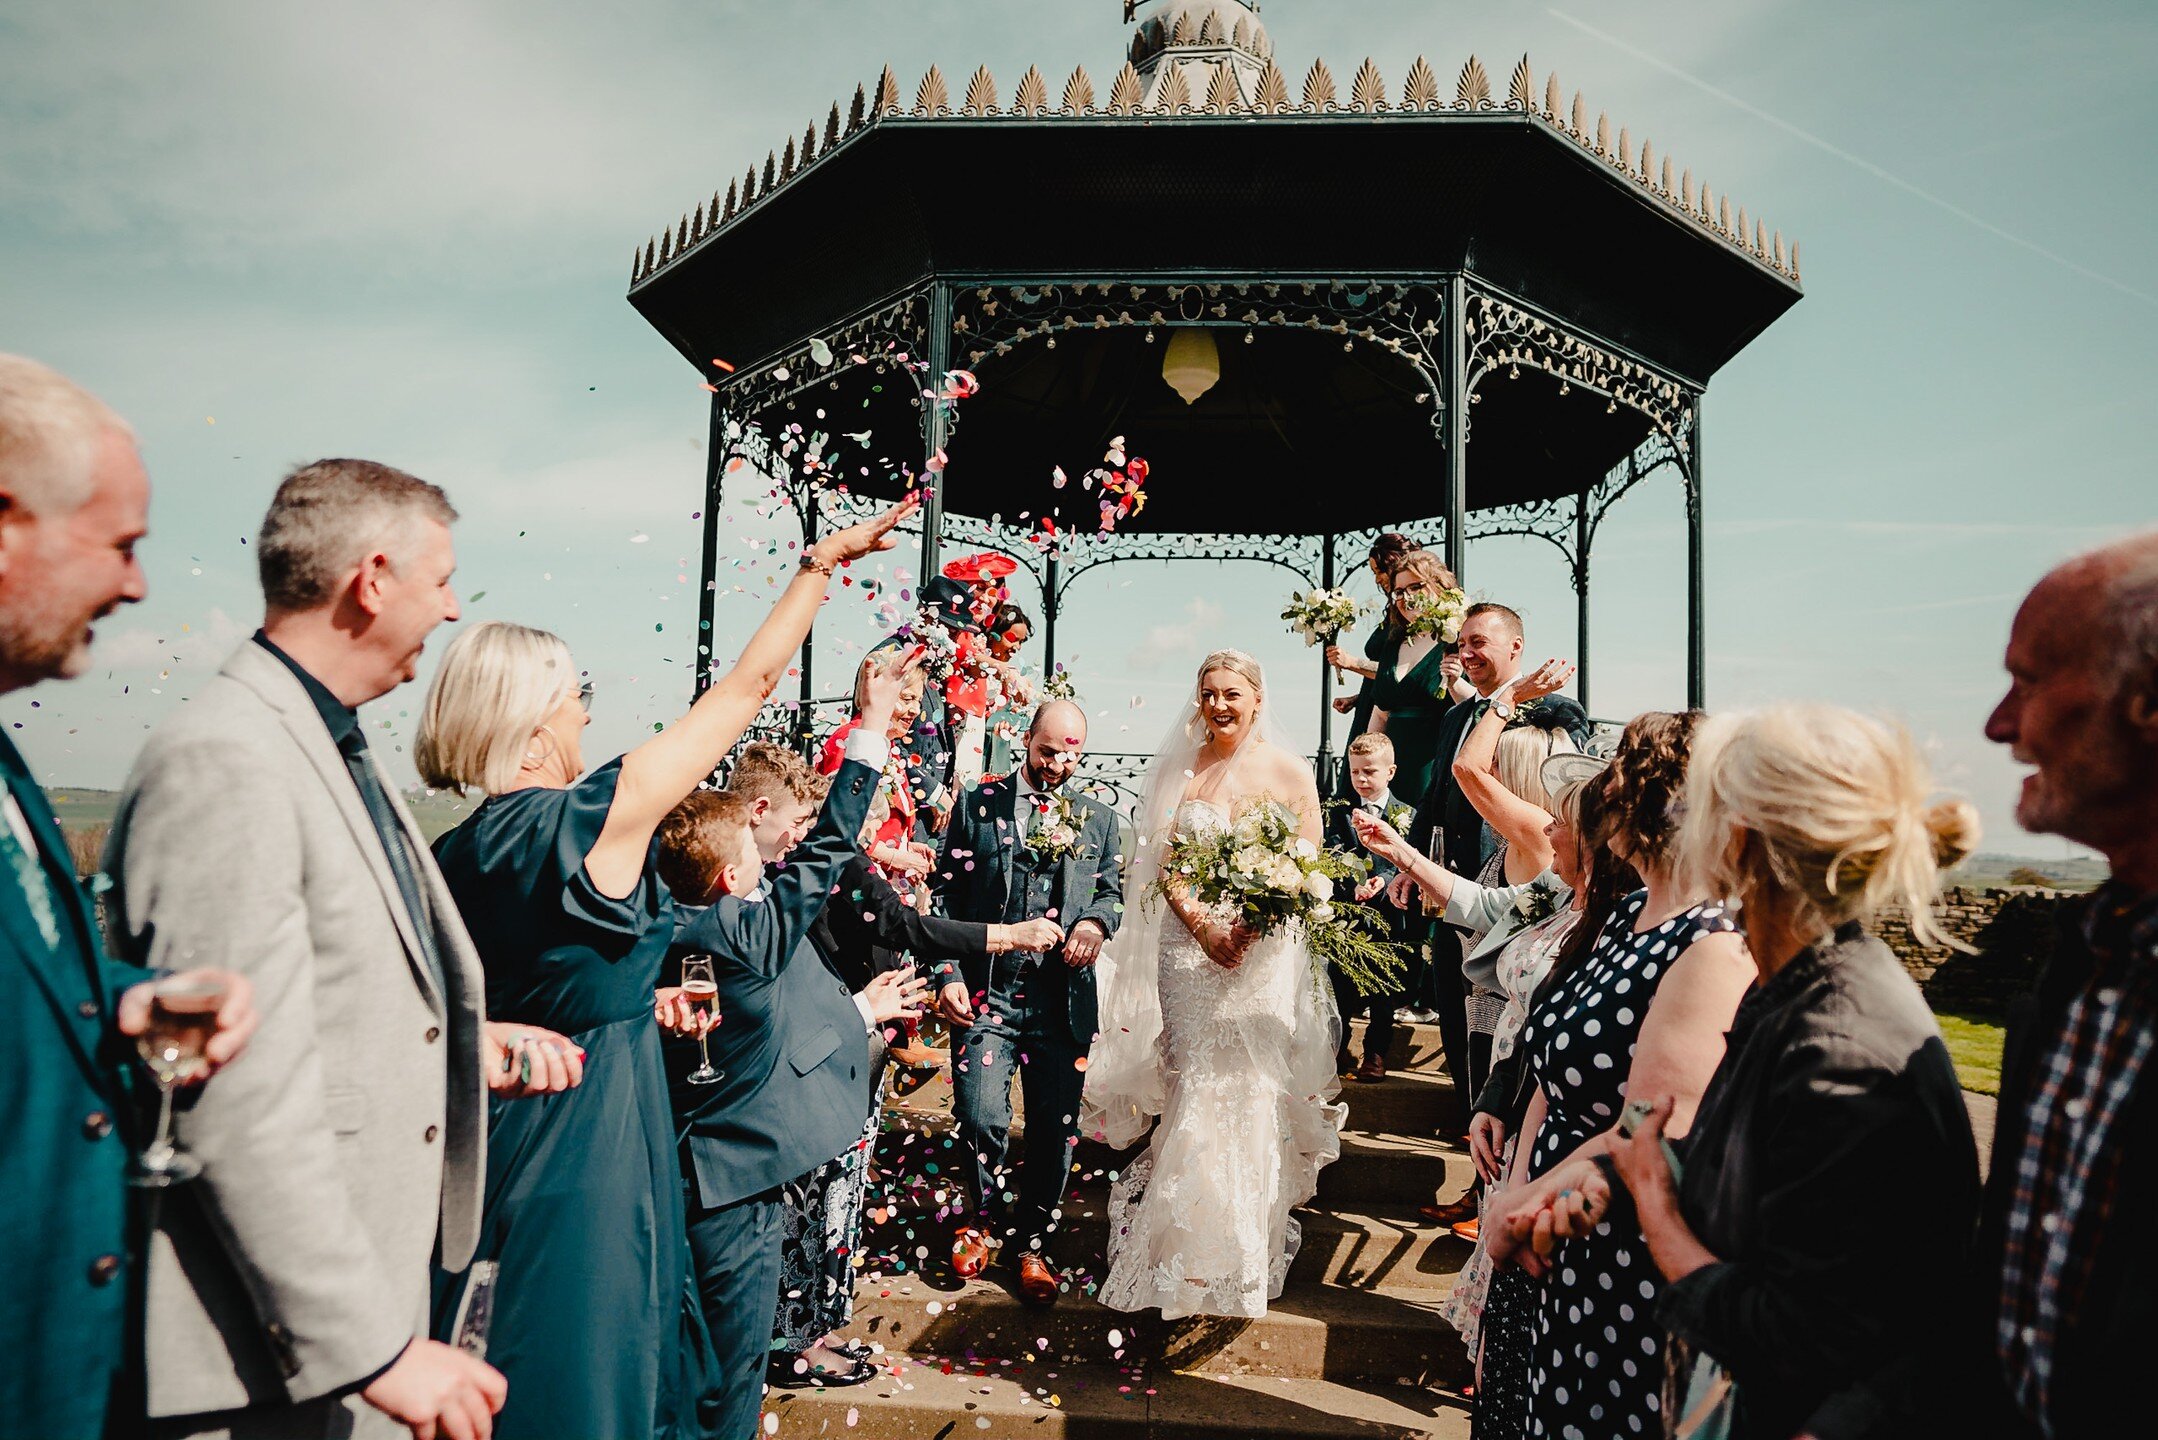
x=272 y=230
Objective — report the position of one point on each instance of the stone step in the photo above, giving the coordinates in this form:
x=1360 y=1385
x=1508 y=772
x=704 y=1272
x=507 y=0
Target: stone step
x=1390 y=1169
x=1385 y=1246
x=926 y=1401
x=1407 y=1102
x=1309 y=1332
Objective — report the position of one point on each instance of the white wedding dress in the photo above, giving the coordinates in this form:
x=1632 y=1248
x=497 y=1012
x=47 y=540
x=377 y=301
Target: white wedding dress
x=1200 y=1224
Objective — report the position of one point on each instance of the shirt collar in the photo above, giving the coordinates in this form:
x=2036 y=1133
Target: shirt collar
x=1380 y=806
x=2121 y=927
x=340 y=719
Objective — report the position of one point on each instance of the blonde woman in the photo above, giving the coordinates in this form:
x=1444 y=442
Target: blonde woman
x=554 y=877
x=1785 y=1290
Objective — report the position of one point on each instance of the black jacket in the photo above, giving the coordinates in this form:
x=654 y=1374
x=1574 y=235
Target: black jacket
x=866 y=925
x=1445 y=810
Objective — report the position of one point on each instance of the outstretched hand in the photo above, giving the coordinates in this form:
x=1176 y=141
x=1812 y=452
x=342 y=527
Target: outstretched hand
x=1546 y=679
x=886 y=681
x=866 y=538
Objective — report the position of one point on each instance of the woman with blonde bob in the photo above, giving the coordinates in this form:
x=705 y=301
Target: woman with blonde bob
x=1790 y=1299
x=555 y=876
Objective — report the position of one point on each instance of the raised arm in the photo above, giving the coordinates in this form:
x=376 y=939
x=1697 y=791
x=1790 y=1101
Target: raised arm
x=1475 y=768
x=658 y=773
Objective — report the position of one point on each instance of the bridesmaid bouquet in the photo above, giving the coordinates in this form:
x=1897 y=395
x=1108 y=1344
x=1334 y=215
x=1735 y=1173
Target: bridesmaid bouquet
x=1271 y=876
x=1439 y=614
x=1319 y=616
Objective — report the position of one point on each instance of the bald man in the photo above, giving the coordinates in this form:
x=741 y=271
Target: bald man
x=1021 y=848
x=2067 y=1260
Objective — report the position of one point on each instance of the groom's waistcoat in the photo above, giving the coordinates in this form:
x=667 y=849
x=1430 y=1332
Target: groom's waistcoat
x=986 y=873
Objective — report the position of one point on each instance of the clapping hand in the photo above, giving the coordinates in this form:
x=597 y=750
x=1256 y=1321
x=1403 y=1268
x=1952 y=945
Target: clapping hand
x=896 y=995
x=869 y=536
x=236 y=1017
x=522 y=1060
x=1546 y=679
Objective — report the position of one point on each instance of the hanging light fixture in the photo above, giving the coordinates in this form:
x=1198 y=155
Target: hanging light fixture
x=1192 y=363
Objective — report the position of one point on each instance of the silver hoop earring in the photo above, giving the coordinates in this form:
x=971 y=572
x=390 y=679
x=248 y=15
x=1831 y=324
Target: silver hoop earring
x=533 y=762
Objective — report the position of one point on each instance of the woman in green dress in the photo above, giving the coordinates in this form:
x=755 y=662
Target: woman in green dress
x=595 y=1320
x=1415 y=686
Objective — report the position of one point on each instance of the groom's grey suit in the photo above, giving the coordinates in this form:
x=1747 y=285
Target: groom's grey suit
x=345 y=1149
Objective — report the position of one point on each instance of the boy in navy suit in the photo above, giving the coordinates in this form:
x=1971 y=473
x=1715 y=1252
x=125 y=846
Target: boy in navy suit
x=1371 y=773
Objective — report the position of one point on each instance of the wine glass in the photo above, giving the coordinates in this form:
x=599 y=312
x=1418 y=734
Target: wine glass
x=183 y=1016
x=701 y=990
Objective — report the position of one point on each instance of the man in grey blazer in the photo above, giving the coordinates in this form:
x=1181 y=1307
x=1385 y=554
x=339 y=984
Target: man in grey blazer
x=287 y=1287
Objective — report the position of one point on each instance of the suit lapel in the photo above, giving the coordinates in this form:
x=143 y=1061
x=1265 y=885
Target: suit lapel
x=259 y=670
x=1004 y=820
x=17 y=924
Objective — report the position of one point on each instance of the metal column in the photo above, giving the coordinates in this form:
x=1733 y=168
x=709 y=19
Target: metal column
x=936 y=429
x=1050 y=578
x=807 y=499
x=1457 y=428
x=1325 y=777
x=715 y=468
x=1581 y=598
x=1696 y=576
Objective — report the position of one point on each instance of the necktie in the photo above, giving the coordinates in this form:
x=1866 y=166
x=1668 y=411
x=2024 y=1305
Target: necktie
x=23 y=864
x=394 y=844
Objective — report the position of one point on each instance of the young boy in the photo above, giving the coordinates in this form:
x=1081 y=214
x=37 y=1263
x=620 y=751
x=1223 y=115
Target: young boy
x=782 y=792
x=1371 y=774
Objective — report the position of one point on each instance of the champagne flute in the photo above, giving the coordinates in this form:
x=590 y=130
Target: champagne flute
x=701 y=990
x=183 y=1016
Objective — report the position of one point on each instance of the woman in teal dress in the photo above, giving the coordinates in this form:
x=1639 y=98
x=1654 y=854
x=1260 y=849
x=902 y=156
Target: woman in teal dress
x=595 y=1320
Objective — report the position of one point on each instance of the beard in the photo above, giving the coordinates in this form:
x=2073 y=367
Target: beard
x=44 y=646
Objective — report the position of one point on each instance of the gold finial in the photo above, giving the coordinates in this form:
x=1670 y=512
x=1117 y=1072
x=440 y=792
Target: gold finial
x=1124 y=91
x=933 y=98
x=1173 y=95
x=1319 y=87
x=1079 y=92
x=1272 y=96
x=1473 y=90
x=1551 y=97
x=1521 y=86
x=1421 y=90
x=887 y=94
x=981 y=93
x=1222 y=95
x=1367 y=92
x=1032 y=96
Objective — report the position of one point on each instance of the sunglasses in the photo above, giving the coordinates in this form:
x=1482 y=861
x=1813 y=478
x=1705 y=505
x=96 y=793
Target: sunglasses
x=584 y=695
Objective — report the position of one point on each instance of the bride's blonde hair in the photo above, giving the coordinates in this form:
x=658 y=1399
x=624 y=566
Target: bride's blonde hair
x=1237 y=662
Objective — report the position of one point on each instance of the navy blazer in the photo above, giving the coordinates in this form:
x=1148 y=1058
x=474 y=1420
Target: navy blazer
x=790 y=1041
x=64 y=1098
x=974 y=881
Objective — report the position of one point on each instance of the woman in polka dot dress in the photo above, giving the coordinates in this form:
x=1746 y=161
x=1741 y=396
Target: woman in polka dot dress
x=1646 y=1011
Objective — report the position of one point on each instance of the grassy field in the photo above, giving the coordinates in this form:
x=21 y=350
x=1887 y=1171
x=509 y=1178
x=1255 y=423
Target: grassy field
x=1975 y=1046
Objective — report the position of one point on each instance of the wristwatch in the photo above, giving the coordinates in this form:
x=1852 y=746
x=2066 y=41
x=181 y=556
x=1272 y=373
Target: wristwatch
x=1504 y=709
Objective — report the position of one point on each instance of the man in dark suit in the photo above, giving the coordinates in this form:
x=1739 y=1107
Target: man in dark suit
x=1022 y=848
x=73 y=502
x=1449 y=827
x=792 y=1048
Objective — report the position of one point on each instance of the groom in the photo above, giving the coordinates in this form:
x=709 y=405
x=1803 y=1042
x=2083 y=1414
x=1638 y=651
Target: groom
x=1022 y=848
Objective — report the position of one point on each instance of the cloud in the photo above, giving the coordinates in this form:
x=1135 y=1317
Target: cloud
x=183 y=648
x=1178 y=640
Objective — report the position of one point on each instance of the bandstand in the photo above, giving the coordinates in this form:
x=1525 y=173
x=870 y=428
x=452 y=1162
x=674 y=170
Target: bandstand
x=1457 y=310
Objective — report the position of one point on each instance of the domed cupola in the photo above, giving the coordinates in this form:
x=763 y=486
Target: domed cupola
x=1187 y=48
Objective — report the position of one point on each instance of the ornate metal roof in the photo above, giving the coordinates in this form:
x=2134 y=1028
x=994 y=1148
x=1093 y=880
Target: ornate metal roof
x=1246 y=86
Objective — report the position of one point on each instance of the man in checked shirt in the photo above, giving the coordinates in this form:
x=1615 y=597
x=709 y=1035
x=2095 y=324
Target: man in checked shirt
x=2067 y=1255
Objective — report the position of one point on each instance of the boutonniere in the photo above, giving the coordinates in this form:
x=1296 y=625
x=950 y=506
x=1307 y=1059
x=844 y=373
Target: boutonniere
x=1536 y=906
x=1056 y=829
x=1401 y=817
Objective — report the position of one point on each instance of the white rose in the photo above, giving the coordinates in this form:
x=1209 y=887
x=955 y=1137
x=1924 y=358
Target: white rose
x=1318 y=886
x=1285 y=874
x=1305 y=850
x=1321 y=913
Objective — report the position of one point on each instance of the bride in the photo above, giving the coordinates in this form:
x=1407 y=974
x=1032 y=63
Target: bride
x=1228 y=1037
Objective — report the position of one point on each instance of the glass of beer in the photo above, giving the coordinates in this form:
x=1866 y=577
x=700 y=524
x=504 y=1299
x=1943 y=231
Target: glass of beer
x=701 y=991
x=183 y=1016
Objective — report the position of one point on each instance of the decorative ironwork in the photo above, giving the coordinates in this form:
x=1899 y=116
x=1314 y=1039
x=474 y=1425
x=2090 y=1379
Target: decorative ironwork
x=1503 y=336
x=873 y=340
x=1117 y=779
x=1241 y=78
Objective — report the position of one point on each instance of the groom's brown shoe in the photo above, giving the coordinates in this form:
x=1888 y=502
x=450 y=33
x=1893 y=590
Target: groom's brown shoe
x=970 y=1253
x=1037 y=1282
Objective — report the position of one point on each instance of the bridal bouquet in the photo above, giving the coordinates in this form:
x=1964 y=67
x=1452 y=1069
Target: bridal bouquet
x=1060 y=685
x=1272 y=876
x=1321 y=615
x=1439 y=614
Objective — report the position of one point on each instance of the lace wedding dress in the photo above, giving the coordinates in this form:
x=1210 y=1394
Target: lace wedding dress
x=1200 y=1224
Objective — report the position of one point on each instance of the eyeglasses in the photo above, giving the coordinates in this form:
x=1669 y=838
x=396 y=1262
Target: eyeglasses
x=584 y=695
